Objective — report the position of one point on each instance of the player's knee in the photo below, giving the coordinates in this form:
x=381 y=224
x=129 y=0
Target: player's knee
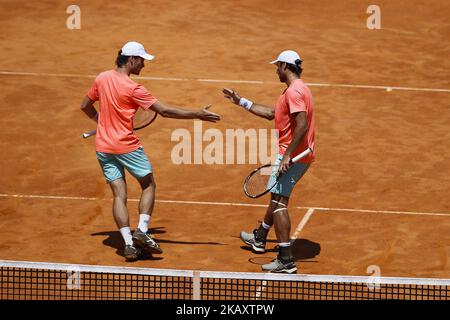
x=279 y=201
x=280 y=211
x=119 y=189
x=121 y=194
x=147 y=182
x=150 y=187
x=120 y=198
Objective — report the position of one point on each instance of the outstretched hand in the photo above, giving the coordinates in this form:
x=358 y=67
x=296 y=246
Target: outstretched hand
x=207 y=115
x=231 y=95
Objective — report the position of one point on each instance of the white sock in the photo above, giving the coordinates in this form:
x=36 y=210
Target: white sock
x=126 y=235
x=265 y=226
x=284 y=244
x=144 y=220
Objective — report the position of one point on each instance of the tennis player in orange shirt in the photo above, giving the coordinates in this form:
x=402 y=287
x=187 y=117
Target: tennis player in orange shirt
x=294 y=121
x=118 y=148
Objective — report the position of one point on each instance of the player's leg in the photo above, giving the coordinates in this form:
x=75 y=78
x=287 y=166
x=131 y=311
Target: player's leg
x=142 y=236
x=147 y=201
x=276 y=204
x=121 y=217
x=139 y=166
x=115 y=177
x=282 y=224
x=120 y=210
x=257 y=238
x=285 y=261
x=280 y=216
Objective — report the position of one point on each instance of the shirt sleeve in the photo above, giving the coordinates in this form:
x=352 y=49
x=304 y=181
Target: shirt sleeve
x=93 y=92
x=142 y=98
x=295 y=101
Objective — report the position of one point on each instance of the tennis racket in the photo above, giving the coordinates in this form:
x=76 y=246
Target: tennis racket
x=142 y=119
x=262 y=180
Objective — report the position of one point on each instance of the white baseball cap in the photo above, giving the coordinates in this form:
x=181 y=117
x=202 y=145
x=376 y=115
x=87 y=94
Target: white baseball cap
x=288 y=56
x=136 y=49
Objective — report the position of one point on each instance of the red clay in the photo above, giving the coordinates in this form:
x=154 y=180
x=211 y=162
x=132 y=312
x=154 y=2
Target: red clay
x=376 y=150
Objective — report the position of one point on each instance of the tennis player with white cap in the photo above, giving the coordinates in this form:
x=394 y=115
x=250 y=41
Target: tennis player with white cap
x=294 y=120
x=118 y=148
x=136 y=49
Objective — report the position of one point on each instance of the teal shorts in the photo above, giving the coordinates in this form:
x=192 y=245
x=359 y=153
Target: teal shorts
x=288 y=180
x=114 y=165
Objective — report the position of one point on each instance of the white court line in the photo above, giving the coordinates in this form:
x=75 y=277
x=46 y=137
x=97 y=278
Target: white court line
x=237 y=81
x=302 y=224
x=161 y=78
x=33 y=196
x=44 y=74
x=312 y=84
x=213 y=203
x=362 y=86
x=383 y=211
x=237 y=204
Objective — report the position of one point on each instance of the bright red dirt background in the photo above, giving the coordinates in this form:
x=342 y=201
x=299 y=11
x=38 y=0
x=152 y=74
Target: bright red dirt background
x=376 y=150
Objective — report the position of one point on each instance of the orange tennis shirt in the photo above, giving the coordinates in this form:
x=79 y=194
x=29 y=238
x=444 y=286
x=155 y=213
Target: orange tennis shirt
x=296 y=98
x=119 y=97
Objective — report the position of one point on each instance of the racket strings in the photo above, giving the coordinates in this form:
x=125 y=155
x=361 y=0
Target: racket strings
x=261 y=180
x=142 y=118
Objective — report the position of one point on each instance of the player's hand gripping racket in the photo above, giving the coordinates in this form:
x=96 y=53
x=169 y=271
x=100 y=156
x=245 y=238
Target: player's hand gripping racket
x=142 y=119
x=261 y=180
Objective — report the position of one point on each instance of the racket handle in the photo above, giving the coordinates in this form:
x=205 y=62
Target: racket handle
x=301 y=155
x=89 y=134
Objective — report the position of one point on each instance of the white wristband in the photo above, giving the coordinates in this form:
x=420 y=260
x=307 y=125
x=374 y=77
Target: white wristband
x=247 y=104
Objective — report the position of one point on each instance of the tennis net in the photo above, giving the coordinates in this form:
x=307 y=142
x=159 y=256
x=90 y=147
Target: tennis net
x=21 y=280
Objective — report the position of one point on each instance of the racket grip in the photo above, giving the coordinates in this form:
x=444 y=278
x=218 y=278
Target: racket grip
x=301 y=155
x=89 y=134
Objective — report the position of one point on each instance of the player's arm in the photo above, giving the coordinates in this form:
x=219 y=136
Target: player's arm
x=177 y=113
x=297 y=136
x=87 y=106
x=257 y=109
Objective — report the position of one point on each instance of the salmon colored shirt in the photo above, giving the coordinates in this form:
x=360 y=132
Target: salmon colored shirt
x=120 y=97
x=296 y=98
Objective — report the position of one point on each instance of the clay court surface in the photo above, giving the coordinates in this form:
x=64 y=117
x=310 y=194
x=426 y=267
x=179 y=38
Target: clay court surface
x=383 y=154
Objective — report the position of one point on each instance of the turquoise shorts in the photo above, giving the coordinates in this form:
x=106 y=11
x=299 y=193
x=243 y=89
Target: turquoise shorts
x=288 y=180
x=114 y=165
